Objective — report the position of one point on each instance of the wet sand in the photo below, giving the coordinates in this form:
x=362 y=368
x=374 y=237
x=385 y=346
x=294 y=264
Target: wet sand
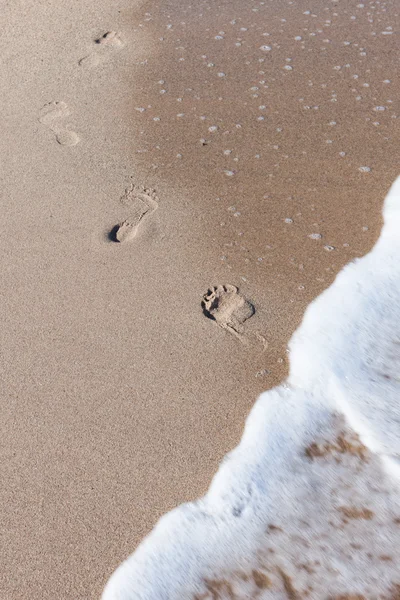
x=120 y=396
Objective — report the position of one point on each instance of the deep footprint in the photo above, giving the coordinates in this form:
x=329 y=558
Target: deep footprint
x=228 y=308
x=142 y=202
x=50 y=115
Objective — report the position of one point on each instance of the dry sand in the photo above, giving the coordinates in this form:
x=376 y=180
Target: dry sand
x=120 y=396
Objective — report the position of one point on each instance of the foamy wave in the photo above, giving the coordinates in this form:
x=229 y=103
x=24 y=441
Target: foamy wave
x=304 y=504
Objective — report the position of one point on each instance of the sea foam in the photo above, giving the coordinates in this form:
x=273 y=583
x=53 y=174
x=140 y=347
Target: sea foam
x=307 y=504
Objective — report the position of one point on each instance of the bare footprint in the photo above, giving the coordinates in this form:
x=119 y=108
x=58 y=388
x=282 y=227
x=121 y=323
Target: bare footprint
x=110 y=39
x=228 y=308
x=142 y=202
x=51 y=115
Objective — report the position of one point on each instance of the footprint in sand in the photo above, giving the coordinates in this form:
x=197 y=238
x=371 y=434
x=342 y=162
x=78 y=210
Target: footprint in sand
x=109 y=40
x=52 y=115
x=142 y=202
x=228 y=308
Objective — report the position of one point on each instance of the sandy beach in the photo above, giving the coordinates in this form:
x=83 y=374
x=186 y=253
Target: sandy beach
x=151 y=153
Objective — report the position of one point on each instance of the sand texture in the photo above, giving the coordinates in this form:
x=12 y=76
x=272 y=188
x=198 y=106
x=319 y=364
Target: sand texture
x=153 y=154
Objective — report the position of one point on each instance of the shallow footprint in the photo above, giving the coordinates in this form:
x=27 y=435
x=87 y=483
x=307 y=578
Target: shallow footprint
x=228 y=308
x=142 y=202
x=50 y=115
x=110 y=39
x=127 y=230
x=53 y=112
x=65 y=137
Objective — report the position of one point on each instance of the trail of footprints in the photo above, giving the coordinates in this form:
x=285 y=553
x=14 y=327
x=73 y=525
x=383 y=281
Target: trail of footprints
x=54 y=114
x=223 y=303
x=141 y=201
